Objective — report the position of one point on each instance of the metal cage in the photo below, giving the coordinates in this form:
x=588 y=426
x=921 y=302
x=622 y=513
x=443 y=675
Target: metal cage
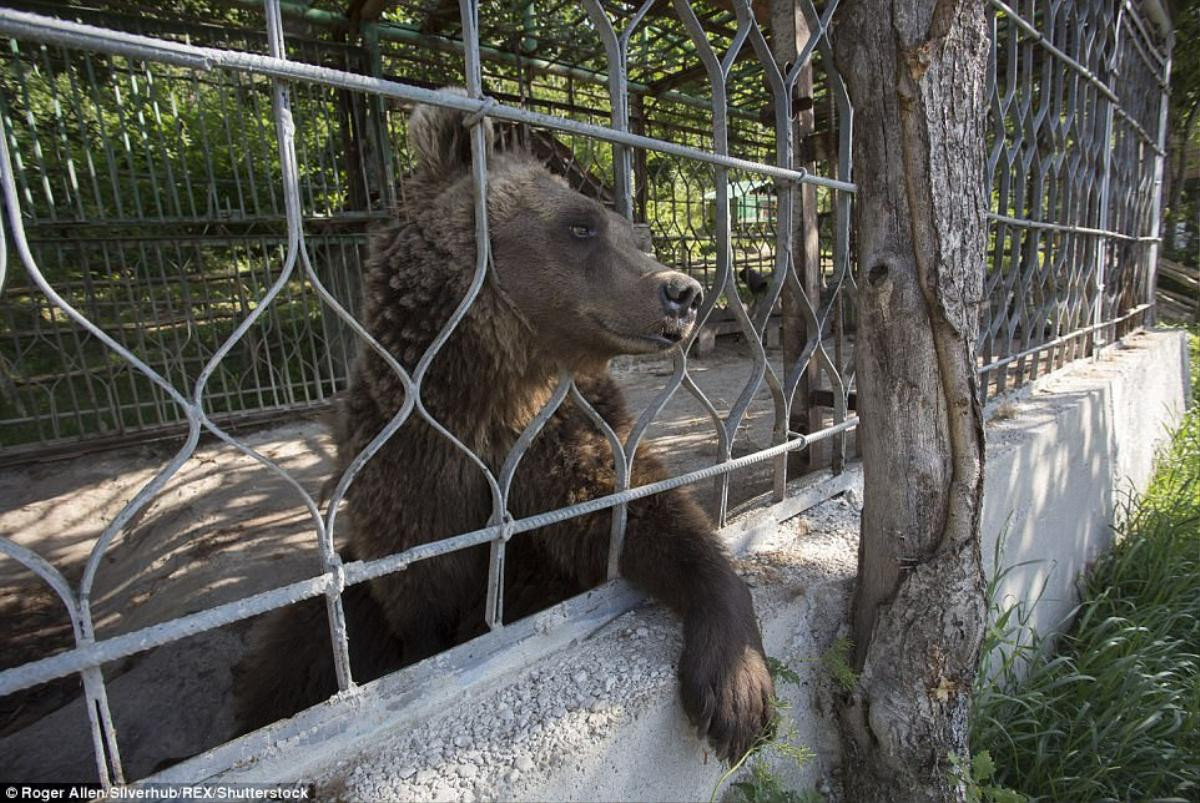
x=186 y=207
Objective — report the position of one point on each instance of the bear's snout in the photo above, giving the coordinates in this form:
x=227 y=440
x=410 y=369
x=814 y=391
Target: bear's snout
x=680 y=295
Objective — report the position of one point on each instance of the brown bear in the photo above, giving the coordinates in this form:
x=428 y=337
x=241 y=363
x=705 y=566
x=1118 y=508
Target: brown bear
x=567 y=288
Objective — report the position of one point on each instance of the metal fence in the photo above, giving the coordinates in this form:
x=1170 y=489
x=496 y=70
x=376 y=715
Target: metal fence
x=150 y=198
x=1078 y=135
x=175 y=270
x=193 y=379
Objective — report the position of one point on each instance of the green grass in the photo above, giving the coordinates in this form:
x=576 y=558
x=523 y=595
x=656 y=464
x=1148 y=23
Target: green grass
x=1113 y=711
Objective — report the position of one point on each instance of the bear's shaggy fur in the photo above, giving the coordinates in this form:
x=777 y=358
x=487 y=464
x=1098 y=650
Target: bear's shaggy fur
x=566 y=288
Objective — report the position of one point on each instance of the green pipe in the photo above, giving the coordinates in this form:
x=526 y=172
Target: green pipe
x=529 y=23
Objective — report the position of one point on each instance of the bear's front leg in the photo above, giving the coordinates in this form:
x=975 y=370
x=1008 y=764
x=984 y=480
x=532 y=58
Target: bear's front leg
x=672 y=552
x=726 y=687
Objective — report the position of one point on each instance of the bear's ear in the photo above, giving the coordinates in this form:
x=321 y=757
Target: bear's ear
x=440 y=142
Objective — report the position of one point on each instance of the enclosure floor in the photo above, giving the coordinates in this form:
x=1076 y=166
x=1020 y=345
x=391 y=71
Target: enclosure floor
x=225 y=527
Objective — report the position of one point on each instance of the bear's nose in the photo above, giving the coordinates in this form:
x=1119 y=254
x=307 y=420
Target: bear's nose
x=681 y=295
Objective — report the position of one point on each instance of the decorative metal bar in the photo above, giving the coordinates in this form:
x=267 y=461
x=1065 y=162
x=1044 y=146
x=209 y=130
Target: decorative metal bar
x=494 y=613
x=717 y=70
x=286 y=131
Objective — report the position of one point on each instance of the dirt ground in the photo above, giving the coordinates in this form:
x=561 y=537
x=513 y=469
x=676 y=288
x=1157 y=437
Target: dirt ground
x=225 y=527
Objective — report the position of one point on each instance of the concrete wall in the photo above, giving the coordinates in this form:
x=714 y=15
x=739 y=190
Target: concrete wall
x=1063 y=459
x=583 y=707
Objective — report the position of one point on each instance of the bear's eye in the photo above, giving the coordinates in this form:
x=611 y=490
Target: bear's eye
x=583 y=231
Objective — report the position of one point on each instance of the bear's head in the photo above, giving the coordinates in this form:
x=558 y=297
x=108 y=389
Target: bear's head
x=570 y=269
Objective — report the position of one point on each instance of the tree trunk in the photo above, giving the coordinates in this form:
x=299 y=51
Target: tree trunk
x=916 y=74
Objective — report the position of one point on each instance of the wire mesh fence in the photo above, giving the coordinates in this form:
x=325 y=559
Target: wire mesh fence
x=187 y=204
x=1077 y=138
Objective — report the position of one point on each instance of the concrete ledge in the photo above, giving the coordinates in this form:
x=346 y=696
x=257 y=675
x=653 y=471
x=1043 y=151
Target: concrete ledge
x=506 y=714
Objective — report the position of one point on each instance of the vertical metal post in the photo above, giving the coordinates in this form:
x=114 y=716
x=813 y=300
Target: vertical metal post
x=469 y=12
x=616 y=48
x=641 y=188
x=717 y=71
x=844 y=279
x=378 y=120
x=1156 y=204
x=1101 y=245
x=285 y=130
x=104 y=732
x=783 y=51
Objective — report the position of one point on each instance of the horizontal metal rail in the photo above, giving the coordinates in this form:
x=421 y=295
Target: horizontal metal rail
x=1061 y=340
x=391 y=31
x=1069 y=229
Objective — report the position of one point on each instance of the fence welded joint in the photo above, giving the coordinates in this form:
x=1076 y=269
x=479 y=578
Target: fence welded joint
x=507 y=527
x=78 y=35
x=337 y=572
x=473 y=119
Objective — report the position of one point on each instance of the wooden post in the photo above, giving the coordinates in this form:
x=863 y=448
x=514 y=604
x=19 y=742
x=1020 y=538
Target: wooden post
x=637 y=123
x=789 y=33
